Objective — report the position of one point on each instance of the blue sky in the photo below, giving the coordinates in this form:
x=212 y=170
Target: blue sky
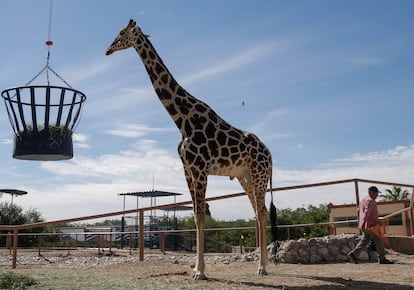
x=327 y=85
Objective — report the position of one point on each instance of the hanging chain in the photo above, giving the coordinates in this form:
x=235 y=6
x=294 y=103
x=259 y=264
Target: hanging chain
x=36 y=76
x=59 y=77
x=49 y=43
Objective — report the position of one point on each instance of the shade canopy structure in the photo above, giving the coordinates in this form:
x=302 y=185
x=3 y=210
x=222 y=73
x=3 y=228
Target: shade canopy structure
x=178 y=208
x=12 y=192
x=43 y=118
x=151 y=193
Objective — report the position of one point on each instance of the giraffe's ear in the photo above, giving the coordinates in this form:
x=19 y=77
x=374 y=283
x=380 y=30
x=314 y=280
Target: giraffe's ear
x=147 y=35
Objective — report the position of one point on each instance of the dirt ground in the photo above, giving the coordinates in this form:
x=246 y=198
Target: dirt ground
x=169 y=272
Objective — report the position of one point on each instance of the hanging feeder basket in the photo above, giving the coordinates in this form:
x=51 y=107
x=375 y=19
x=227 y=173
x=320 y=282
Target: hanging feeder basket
x=43 y=119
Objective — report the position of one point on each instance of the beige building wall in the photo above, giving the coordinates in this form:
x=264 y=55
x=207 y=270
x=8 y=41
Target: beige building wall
x=398 y=225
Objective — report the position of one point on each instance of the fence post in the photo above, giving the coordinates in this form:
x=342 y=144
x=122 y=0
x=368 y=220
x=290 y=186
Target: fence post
x=357 y=202
x=162 y=242
x=9 y=240
x=241 y=237
x=39 y=241
x=68 y=243
x=15 y=243
x=411 y=212
x=141 y=235
x=110 y=242
x=356 y=192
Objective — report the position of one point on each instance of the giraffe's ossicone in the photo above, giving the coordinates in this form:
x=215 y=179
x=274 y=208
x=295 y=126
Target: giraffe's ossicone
x=209 y=146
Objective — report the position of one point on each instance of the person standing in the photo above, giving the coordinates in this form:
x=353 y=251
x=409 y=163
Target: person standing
x=367 y=221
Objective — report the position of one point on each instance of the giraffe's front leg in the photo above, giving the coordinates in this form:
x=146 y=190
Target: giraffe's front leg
x=198 y=271
x=197 y=187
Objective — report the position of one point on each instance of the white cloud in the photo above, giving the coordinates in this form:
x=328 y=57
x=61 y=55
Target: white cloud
x=268 y=120
x=399 y=156
x=234 y=62
x=92 y=69
x=365 y=61
x=135 y=130
x=89 y=185
x=6 y=141
x=80 y=141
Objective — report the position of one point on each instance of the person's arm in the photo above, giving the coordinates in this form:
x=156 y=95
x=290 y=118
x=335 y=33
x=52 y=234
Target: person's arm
x=363 y=210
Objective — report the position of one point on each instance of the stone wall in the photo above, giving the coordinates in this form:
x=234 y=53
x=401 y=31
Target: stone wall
x=329 y=249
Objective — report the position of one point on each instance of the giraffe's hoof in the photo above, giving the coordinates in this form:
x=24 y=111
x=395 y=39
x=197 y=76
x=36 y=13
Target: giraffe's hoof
x=261 y=272
x=197 y=275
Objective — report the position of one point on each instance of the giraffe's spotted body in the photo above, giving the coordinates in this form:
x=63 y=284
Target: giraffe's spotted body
x=209 y=145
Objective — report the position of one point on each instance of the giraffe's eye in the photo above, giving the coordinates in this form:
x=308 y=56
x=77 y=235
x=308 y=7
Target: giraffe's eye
x=122 y=32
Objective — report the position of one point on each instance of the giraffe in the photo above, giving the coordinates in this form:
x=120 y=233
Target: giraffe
x=209 y=145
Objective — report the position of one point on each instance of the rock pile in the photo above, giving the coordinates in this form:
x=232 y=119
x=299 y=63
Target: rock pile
x=329 y=249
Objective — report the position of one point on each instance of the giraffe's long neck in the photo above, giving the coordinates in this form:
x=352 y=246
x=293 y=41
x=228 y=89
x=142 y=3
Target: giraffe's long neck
x=176 y=100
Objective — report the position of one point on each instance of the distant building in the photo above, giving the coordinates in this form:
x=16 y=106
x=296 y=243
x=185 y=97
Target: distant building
x=398 y=225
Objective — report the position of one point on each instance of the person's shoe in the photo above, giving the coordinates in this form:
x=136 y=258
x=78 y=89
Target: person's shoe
x=385 y=261
x=352 y=258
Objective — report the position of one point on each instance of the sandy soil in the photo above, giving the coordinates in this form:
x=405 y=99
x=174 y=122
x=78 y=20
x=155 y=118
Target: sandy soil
x=173 y=271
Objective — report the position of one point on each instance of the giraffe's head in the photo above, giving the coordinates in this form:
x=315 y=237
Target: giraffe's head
x=126 y=38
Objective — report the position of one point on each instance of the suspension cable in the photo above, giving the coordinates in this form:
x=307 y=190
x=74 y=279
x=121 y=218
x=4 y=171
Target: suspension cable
x=49 y=43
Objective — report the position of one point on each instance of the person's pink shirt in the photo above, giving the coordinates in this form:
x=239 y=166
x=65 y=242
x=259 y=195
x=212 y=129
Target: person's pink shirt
x=368 y=213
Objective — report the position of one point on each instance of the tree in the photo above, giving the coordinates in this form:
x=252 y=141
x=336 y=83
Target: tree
x=12 y=214
x=221 y=241
x=309 y=215
x=396 y=193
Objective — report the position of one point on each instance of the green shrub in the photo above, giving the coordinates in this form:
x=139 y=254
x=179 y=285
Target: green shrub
x=11 y=280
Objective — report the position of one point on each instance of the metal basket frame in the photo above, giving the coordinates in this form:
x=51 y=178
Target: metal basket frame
x=32 y=110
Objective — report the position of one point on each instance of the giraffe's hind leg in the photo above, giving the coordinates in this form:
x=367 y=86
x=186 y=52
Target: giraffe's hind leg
x=261 y=215
x=257 y=199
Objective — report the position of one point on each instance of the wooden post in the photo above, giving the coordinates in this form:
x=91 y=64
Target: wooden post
x=356 y=192
x=68 y=242
x=39 y=240
x=241 y=242
x=9 y=240
x=15 y=243
x=411 y=212
x=357 y=202
x=162 y=242
x=110 y=242
x=141 y=235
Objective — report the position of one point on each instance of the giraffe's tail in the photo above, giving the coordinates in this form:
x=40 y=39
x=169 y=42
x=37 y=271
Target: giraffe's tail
x=273 y=223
